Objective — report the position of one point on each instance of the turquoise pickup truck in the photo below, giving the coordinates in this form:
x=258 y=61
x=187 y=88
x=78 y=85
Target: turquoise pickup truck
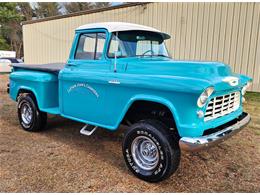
x=121 y=73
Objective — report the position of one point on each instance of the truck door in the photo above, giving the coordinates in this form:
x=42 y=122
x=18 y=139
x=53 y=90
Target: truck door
x=82 y=82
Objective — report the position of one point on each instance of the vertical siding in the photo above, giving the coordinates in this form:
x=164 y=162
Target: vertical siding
x=226 y=32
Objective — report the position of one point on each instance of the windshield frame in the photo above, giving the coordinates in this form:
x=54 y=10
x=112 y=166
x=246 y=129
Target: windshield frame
x=136 y=56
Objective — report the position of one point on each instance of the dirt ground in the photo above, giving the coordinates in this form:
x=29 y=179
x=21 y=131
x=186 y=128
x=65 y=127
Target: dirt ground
x=60 y=159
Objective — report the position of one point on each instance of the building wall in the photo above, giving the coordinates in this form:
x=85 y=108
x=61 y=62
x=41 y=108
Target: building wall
x=226 y=32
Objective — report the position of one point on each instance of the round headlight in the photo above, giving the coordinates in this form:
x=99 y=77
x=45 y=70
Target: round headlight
x=204 y=96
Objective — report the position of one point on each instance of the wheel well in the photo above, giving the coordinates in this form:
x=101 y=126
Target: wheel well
x=141 y=110
x=25 y=91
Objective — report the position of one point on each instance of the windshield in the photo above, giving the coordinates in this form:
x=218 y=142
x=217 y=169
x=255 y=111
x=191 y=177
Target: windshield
x=137 y=43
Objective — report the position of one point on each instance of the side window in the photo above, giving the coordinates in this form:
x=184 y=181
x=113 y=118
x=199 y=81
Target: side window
x=90 y=46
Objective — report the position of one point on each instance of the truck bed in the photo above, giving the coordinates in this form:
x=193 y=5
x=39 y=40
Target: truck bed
x=53 y=67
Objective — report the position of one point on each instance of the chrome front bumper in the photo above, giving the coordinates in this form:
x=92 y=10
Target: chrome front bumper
x=199 y=143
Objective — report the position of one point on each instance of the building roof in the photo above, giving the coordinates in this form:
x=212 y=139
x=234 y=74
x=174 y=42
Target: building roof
x=121 y=26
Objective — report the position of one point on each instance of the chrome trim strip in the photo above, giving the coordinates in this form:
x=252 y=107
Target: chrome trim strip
x=199 y=143
x=114 y=82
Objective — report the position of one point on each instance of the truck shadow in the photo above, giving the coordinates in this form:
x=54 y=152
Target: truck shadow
x=68 y=132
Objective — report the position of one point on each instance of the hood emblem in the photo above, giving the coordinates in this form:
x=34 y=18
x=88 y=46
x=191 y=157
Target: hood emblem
x=233 y=81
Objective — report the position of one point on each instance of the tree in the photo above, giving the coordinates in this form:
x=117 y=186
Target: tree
x=102 y=4
x=71 y=7
x=26 y=11
x=11 y=16
x=3 y=44
x=8 y=13
x=43 y=9
x=11 y=30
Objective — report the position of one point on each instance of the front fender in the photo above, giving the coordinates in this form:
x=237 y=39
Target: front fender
x=151 y=98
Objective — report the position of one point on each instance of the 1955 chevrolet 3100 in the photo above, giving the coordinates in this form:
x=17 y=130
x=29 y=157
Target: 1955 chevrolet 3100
x=121 y=73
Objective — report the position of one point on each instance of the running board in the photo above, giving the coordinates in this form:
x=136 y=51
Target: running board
x=88 y=130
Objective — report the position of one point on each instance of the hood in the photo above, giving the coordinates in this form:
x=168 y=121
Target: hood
x=212 y=72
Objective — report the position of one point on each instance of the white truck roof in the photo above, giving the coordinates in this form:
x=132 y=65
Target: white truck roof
x=121 y=26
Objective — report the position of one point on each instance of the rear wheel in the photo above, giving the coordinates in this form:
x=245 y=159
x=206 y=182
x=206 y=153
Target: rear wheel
x=30 y=117
x=151 y=152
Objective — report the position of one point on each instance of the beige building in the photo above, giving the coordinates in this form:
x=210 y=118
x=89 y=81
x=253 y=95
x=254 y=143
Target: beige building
x=225 y=32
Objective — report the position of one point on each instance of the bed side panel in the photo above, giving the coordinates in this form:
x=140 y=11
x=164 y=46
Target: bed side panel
x=44 y=86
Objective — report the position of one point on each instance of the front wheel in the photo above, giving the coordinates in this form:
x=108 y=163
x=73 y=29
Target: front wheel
x=151 y=152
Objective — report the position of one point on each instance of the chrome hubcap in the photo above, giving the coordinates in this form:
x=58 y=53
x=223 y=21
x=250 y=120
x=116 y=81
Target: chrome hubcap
x=26 y=114
x=145 y=153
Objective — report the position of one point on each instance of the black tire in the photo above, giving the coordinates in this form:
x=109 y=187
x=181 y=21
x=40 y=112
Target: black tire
x=167 y=148
x=38 y=119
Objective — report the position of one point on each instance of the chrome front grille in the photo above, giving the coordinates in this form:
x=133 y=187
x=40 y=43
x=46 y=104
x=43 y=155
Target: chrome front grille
x=222 y=105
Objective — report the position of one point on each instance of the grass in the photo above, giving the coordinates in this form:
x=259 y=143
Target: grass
x=253 y=96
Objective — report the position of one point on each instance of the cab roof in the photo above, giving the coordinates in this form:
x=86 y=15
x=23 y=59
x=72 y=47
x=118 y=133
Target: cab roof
x=121 y=26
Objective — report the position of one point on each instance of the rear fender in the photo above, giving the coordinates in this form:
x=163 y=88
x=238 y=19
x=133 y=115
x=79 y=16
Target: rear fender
x=43 y=85
x=24 y=89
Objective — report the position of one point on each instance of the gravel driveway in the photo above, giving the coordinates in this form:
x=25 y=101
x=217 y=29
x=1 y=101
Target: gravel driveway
x=60 y=159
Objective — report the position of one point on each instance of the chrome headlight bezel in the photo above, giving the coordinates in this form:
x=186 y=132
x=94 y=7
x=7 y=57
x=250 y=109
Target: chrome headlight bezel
x=204 y=96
